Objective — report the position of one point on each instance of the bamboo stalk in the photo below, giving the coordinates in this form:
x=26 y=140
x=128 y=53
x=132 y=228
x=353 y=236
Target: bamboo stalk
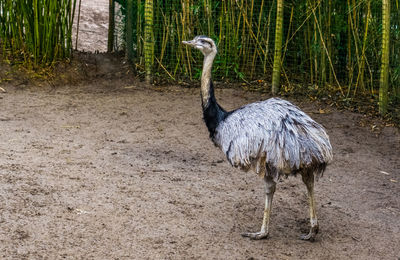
x=36 y=39
x=360 y=75
x=148 y=39
x=322 y=81
x=266 y=52
x=315 y=54
x=278 y=47
x=77 y=24
x=384 y=77
x=329 y=39
x=354 y=32
x=325 y=49
x=37 y=32
x=287 y=36
x=349 y=50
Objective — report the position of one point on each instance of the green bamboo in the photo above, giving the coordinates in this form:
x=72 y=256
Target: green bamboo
x=278 y=47
x=360 y=76
x=267 y=49
x=308 y=45
x=323 y=53
x=384 y=77
x=148 y=39
x=77 y=25
x=329 y=38
x=315 y=43
x=36 y=39
x=325 y=50
x=38 y=32
x=139 y=30
x=339 y=46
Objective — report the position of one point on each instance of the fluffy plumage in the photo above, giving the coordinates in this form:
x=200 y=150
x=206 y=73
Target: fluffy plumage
x=274 y=131
x=273 y=138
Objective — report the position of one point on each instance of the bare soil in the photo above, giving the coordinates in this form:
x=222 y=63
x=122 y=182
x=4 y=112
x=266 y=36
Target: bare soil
x=107 y=168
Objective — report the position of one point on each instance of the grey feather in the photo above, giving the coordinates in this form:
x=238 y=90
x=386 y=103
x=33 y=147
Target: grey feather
x=273 y=137
x=276 y=133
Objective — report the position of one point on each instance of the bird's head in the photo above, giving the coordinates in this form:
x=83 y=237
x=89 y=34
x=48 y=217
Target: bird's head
x=203 y=43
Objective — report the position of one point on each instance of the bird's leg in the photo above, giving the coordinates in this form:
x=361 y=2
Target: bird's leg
x=269 y=190
x=308 y=179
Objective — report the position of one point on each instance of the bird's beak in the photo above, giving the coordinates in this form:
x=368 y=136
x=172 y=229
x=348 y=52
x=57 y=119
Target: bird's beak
x=190 y=43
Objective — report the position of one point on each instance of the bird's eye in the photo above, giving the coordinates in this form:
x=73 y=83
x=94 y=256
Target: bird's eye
x=206 y=42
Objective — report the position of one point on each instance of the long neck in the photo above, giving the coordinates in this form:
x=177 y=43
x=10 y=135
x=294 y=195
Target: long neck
x=212 y=112
x=207 y=89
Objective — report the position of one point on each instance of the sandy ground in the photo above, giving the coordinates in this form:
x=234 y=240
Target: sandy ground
x=110 y=169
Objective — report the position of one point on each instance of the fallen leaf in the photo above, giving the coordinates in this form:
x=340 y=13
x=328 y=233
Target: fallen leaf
x=393 y=180
x=386 y=173
x=81 y=211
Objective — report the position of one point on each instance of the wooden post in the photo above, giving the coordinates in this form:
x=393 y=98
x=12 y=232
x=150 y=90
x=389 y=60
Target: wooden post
x=129 y=30
x=111 y=25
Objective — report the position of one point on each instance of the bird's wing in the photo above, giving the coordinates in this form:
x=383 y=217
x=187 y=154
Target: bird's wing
x=275 y=130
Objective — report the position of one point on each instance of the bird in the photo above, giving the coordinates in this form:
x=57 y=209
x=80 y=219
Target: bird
x=273 y=138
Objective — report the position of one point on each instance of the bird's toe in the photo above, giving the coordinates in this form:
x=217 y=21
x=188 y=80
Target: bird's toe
x=256 y=235
x=310 y=236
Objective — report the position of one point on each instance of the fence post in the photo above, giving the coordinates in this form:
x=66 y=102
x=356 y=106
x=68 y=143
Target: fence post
x=111 y=25
x=384 y=78
x=129 y=30
x=278 y=47
x=148 y=39
x=77 y=25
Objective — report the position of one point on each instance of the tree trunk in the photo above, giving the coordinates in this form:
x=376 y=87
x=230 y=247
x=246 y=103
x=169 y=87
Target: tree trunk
x=384 y=79
x=278 y=48
x=111 y=25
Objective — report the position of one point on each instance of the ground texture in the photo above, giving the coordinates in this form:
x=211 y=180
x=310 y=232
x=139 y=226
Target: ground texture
x=111 y=169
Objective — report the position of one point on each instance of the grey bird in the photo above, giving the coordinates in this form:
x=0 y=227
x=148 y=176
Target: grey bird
x=274 y=138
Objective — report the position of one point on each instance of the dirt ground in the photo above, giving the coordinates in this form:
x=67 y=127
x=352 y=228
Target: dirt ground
x=111 y=169
x=103 y=167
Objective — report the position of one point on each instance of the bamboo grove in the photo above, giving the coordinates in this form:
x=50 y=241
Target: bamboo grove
x=36 y=32
x=343 y=45
x=349 y=47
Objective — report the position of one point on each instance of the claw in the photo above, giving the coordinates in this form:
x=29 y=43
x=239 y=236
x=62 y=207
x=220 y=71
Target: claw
x=310 y=236
x=256 y=235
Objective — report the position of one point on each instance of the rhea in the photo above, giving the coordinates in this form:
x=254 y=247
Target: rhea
x=274 y=138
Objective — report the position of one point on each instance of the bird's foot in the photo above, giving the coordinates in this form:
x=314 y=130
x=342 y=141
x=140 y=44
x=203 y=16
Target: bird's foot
x=310 y=236
x=256 y=235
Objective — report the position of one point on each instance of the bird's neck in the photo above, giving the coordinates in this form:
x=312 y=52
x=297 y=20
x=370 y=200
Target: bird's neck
x=207 y=89
x=213 y=113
